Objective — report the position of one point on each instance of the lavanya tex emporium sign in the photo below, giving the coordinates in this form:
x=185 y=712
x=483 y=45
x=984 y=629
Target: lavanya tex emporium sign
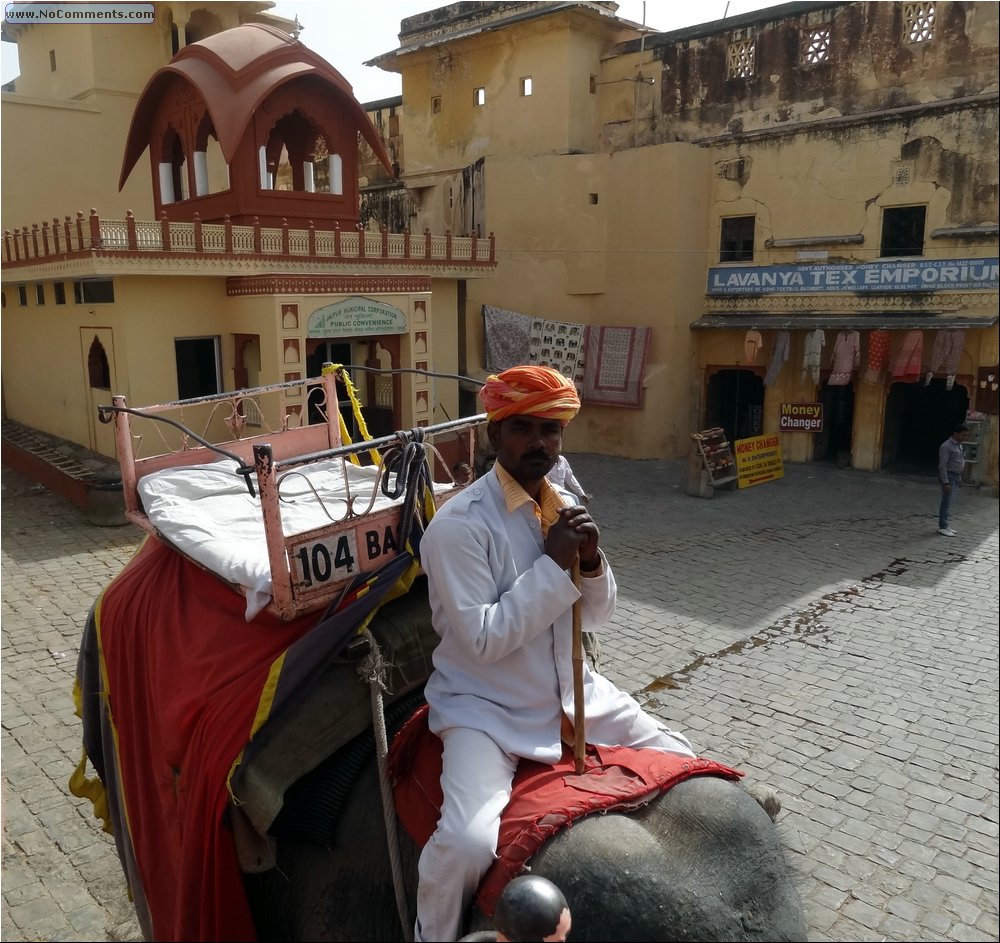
x=889 y=276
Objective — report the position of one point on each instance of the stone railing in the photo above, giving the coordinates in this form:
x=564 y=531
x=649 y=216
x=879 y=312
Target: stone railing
x=71 y=237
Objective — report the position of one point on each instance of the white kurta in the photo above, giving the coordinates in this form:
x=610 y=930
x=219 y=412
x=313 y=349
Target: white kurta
x=503 y=609
x=502 y=680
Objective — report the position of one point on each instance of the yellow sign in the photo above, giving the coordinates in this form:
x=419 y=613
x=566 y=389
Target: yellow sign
x=758 y=459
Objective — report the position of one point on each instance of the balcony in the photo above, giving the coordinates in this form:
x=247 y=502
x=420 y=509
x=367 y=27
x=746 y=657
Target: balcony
x=119 y=246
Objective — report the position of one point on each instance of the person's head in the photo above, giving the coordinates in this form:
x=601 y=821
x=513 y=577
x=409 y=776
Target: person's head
x=528 y=408
x=960 y=431
x=461 y=472
x=532 y=908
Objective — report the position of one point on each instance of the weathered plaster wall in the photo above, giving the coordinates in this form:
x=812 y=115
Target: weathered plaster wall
x=870 y=67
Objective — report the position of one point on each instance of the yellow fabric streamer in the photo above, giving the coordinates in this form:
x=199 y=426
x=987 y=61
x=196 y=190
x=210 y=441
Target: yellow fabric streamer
x=352 y=395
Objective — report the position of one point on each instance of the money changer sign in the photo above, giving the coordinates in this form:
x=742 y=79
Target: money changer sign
x=801 y=417
x=355 y=317
x=758 y=459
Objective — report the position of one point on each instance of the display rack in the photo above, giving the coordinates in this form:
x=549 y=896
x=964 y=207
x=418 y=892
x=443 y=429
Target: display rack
x=716 y=455
x=971 y=448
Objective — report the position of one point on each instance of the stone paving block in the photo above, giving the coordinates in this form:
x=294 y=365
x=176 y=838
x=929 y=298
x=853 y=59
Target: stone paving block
x=935 y=923
x=895 y=928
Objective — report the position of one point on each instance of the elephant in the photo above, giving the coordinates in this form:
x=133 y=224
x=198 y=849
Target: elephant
x=700 y=861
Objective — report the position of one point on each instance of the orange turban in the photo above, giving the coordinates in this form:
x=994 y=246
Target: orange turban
x=530 y=391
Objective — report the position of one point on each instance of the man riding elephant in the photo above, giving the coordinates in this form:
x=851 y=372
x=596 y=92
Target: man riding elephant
x=498 y=559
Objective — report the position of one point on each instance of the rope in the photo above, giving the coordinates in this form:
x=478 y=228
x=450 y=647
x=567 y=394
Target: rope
x=413 y=477
x=373 y=668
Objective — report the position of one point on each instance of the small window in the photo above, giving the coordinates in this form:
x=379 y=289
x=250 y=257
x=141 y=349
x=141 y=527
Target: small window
x=94 y=291
x=736 y=243
x=593 y=199
x=903 y=230
x=526 y=86
x=436 y=105
x=52 y=60
x=741 y=56
x=815 y=46
x=479 y=97
x=197 y=366
x=593 y=84
x=22 y=295
x=39 y=294
x=918 y=22
x=59 y=290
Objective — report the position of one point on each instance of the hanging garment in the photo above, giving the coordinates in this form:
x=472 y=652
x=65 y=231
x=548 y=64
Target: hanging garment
x=779 y=354
x=751 y=346
x=946 y=356
x=846 y=357
x=907 y=364
x=878 y=355
x=813 y=351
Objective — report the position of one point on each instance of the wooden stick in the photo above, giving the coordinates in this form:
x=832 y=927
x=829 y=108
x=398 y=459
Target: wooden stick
x=579 y=720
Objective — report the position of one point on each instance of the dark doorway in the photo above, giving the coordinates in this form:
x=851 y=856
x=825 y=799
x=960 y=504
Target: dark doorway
x=331 y=352
x=833 y=444
x=735 y=401
x=918 y=419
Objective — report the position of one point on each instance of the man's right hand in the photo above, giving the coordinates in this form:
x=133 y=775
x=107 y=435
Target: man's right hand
x=572 y=533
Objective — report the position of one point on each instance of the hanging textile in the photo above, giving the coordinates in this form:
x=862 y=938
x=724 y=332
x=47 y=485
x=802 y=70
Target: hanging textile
x=946 y=356
x=508 y=335
x=558 y=344
x=752 y=344
x=779 y=354
x=906 y=366
x=813 y=351
x=615 y=365
x=878 y=356
x=846 y=357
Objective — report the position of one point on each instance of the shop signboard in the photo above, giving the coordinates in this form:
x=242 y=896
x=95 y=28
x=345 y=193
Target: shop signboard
x=801 y=417
x=861 y=277
x=758 y=459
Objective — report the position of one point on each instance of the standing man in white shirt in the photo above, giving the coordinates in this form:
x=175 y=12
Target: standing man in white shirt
x=562 y=476
x=951 y=462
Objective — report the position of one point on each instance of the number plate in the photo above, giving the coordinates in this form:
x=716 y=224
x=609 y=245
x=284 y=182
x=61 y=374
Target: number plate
x=333 y=558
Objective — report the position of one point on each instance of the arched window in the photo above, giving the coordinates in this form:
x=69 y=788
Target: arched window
x=297 y=157
x=97 y=366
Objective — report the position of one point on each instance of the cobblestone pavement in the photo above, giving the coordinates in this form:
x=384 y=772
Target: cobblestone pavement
x=815 y=631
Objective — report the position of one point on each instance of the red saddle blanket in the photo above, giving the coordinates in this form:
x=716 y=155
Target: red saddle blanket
x=544 y=799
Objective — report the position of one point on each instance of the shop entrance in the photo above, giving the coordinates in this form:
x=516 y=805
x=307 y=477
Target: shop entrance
x=918 y=419
x=735 y=401
x=833 y=444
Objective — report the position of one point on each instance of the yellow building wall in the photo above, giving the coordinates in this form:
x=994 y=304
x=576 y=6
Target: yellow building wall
x=559 y=116
x=811 y=186
x=53 y=395
x=151 y=312
x=625 y=260
x=73 y=162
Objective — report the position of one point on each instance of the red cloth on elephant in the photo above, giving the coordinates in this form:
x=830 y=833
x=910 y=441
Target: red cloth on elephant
x=544 y=799
x=185 y=673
